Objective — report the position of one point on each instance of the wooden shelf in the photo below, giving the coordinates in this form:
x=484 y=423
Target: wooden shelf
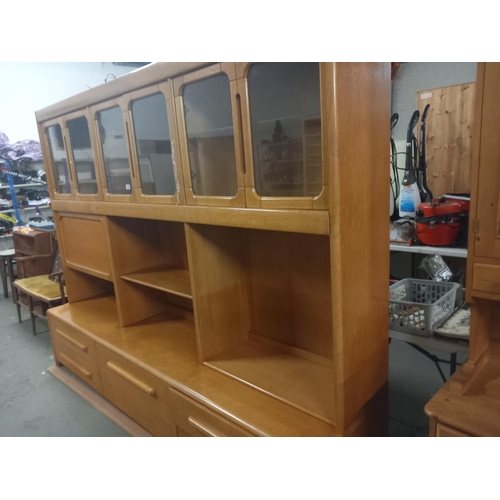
x=296 y=221
x=6 y=186
x=301 y=383
x=445 y=251
x=164 y=278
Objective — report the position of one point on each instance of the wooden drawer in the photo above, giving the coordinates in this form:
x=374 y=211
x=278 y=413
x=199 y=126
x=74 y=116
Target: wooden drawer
x=80 y=366
x=137 y=393
x=74 y=340
x=445 y=431
x=486 y=278
x=193 y=419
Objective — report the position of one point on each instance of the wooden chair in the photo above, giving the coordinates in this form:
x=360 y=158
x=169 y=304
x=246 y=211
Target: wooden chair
x=39 y=293
x=7 y=261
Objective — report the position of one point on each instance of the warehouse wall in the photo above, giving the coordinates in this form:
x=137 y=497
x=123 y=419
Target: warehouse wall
x=28 y=87
x=413 y=77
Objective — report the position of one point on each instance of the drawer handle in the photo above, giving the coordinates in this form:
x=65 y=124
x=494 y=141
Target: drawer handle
x=141 y=385
x=82 y=347
x=75 y=365
x=203 y=428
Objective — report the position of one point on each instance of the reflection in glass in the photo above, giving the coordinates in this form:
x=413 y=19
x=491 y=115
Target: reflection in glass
x=210 y=133
x=285 y=114
x=83 y=155
x=59 y=160
x=114 y=151
x=154 y=150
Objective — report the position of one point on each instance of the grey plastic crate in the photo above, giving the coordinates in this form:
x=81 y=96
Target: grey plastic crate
x=420 y=306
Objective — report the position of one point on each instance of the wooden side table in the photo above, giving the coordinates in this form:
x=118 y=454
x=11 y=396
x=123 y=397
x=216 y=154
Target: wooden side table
x=7 y=259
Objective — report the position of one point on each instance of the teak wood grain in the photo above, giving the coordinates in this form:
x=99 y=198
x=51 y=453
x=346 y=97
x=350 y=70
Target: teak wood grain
x=355 y=143
x=85 y=243
x=297 y=221
x=289 y=296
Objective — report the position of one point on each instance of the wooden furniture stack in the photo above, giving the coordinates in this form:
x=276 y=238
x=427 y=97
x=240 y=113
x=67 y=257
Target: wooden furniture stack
x=33 y=252
x=203 y=298
x=469 y=403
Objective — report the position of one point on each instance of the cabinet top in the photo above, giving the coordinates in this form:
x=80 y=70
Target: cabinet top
x=141 y=77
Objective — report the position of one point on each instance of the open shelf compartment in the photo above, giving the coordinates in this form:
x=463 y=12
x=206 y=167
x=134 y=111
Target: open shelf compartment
x=165 y=278
x=263 y=310
x=150 y=265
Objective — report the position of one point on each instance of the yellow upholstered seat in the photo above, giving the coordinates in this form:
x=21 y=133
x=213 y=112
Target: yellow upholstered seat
x=40 y=287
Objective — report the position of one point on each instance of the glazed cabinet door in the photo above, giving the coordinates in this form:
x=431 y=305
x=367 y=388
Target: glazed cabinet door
x=487 y=241
x=281 y=121
x=211 y=147
x=112 y=132
x=81 y=147
x=54 y=142
x=154 y=144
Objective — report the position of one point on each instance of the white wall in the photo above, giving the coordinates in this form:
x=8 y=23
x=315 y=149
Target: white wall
x=28 y=87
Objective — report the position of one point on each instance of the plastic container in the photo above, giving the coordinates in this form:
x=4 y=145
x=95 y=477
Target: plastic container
x=420 y=306
x=438 y=222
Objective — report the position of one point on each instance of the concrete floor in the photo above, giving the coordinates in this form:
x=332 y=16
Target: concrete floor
x=34 y=403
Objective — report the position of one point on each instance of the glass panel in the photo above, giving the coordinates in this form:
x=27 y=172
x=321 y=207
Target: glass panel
x=152 y=140
x=59 y=160
x=83 y=156
x=114 y=151
x=210 y=133
x=285 y=113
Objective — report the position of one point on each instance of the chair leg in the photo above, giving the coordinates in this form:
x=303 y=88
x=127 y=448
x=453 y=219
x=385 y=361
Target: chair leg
x=15 y=294
x=3 y=272
x=30 y=300
x=12 y=276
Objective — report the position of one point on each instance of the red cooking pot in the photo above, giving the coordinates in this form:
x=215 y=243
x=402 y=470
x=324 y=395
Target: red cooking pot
x=438 y=222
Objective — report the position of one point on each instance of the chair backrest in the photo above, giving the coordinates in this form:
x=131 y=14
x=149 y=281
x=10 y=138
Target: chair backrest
x=56 y=270
x=34 y=253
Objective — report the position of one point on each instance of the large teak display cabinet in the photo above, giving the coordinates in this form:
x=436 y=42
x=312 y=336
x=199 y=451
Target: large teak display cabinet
x=230 y=276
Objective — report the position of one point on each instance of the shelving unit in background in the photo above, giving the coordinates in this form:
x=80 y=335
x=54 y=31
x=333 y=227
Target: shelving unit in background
x=26 y=212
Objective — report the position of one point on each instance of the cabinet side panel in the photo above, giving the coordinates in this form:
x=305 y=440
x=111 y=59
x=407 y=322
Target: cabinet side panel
x=487 y=243
x=357 y=117
x=219 y=286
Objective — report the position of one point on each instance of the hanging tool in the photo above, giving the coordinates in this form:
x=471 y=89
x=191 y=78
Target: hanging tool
x=425 y=192
x=409 y=198
x=395 y=174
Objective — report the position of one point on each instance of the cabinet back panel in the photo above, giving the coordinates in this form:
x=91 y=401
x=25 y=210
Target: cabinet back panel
x=141 y=243
x=289 y=277
x=265 y=285
x=85 y=244
x=82 y=286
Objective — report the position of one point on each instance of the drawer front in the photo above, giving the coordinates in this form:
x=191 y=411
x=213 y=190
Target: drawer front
x=137 y=393
x=80 y=366
x=486 y=278
x=445 y=431
x=74 y=340
x=193 y=419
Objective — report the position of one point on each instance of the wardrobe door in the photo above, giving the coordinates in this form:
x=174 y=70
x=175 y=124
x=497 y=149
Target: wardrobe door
x=281 y=120
x=55 y=155
x=155 y=145
x=210 y=134
x=112 y=130
x=81 y=147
